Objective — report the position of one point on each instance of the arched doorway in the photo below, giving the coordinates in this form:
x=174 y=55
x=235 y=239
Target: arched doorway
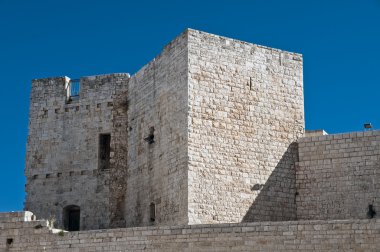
x=71 y=218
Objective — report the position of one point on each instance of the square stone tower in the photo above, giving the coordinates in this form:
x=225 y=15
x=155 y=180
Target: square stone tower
x=204 y=133
x=68 y=121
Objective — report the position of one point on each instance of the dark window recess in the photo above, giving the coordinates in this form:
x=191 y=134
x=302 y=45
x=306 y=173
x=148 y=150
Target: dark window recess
x=71 y=218
x=9 y=242
x=371 y=212
x=150 y=138
x=152 y=209
x=104 y=151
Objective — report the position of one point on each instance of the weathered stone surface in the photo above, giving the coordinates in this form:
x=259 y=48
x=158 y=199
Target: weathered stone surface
x=245 y=113
x=157 y=169
x=347 y=235
x=337 y=176
x=209 y=132
x=62 y=151
x=193 y=133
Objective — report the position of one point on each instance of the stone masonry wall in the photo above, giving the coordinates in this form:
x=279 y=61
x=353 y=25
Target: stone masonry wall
x=119 y=161
x=338 y=176
x=62 y=151
x=22 y=233
x=157 y=139
x=245 y=112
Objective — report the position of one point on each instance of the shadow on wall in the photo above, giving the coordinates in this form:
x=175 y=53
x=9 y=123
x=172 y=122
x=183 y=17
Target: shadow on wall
x=276 y=199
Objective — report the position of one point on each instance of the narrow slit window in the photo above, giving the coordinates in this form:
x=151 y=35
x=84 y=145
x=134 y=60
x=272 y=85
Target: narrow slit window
x=152 y=212
x=104 y=151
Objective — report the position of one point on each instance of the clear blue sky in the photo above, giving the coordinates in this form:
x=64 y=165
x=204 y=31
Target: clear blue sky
x=340 y=41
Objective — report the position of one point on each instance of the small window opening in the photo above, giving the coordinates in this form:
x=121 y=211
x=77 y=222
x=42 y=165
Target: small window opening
x=150 y=138
x=73 y=89
x=371 y=212
x=71 y=218
x=104 y=151
x=9 y=242
x=152 y=209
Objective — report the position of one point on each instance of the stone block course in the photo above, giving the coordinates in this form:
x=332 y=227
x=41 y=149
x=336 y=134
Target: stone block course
x=343 y=235
x=337 y=176
x=245 y=112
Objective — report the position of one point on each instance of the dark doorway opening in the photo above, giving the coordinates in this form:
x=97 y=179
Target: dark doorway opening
x=71 y=218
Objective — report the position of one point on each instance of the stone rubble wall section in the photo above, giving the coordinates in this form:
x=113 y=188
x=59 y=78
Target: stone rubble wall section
x=338 y=176
x=245 y=113
x=157 y=169
x=344 y=235
x=62 y=150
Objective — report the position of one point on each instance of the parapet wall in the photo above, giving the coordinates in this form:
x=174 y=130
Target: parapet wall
x=338 y=176
x=20 y=234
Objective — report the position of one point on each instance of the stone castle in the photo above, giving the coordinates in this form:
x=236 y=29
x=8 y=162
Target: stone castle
x=208 y=138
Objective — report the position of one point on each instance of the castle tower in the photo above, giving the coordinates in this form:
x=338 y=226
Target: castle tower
x=202 y=134
x=69 y=153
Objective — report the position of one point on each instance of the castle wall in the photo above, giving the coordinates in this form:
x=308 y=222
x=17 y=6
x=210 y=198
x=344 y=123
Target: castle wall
x=62 y=150
x=245 y=112
x=348 y=235
x=337 y=176
x=157 y=171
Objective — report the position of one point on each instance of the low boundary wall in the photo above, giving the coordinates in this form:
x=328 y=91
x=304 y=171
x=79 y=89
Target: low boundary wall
x=20 y=232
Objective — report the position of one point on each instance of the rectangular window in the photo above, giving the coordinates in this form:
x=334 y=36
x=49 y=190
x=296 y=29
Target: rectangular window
x=104 y=151
x=73 y=89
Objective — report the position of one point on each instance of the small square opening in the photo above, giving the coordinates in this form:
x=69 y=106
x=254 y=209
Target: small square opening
x=9 y=242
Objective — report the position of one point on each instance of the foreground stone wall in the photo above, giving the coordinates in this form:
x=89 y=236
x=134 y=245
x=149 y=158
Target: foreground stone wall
x=20 y=233
x=62 y=151
x=338 y=176
x=245 y=112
